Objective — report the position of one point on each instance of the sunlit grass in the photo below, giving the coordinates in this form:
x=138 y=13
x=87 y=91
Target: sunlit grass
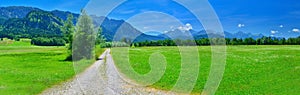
x=249 y=69
x=27 y=70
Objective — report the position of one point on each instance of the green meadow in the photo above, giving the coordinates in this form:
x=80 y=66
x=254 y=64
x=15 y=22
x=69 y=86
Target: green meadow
x=27 y=69
x=275 y=70
x=271 y=70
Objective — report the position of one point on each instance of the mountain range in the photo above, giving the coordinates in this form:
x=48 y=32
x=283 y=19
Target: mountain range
x=33 y=22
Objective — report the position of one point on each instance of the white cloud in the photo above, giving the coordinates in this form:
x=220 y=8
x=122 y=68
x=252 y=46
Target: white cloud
x=274 y=32
x=296 y=30
x=146 y=27
x=187 y=27
x=241 y=25
x=281 y=26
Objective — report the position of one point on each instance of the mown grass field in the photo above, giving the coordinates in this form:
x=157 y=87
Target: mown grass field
x=271 y=70
x=28 y=70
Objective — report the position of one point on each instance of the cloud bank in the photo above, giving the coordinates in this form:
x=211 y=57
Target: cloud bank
x=186 y=27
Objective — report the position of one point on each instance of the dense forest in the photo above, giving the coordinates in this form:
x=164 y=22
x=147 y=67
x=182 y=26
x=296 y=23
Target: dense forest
x=42 y=27
x=35 y=24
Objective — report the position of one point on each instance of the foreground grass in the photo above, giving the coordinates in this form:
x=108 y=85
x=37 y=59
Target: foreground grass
x=26 y=69
x=249 y=69
x=30 y=70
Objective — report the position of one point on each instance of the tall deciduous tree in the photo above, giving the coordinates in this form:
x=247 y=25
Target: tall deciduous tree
x=68 y=30
x=1 y=34
x=84 y=38
x=100 y=40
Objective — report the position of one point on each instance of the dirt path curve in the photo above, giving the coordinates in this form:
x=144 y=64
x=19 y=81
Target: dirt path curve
x=102 y=78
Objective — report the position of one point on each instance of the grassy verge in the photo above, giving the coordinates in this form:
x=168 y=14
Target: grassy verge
x=249 y=69
x=83 y=64
x=27 y=70
x=98 y=51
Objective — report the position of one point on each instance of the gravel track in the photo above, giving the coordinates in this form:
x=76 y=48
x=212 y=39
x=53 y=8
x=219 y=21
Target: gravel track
x=102 y=78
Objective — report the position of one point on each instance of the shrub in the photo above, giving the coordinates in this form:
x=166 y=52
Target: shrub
x=40 y=41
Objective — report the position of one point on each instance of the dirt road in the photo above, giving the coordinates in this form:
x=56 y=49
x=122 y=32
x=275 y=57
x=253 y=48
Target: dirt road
x=102 y=78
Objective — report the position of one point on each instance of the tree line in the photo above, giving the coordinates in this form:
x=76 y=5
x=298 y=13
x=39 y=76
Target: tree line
x=229 y=41
x=40 y=41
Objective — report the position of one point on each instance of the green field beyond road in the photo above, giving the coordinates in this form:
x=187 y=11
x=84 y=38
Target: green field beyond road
x=249 y=69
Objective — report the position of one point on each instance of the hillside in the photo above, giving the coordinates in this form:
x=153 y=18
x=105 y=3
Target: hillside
x=29 y=22
x=35 y=24
x=16 y=11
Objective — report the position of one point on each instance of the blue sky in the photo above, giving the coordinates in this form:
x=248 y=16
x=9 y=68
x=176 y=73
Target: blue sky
x=269 y=17
x=260 y=16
